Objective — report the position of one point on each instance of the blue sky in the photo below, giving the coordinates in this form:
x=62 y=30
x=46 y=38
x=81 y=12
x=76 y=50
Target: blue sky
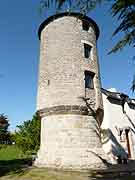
x=19 y=57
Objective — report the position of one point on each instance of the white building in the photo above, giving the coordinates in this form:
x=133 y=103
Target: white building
x=118 y=125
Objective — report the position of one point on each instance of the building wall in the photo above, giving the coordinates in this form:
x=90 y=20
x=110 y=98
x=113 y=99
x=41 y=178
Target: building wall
x=115 y=121
x=62 y=64
x=69 y=142
x=68 y=128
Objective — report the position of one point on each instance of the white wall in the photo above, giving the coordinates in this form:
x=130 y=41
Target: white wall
x=114 y=120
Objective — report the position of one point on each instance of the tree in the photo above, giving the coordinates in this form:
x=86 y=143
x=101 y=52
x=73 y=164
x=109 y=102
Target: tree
x=83 y=6
x=4 y=134
x=27 y=137
x=3 y=123
x=123 y=10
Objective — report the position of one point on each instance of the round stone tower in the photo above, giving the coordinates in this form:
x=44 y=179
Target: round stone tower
x=69 y=96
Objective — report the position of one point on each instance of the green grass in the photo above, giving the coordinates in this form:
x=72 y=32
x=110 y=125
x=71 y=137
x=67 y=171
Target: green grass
x=10 y=152
x=15 y=166
x=46 y=174
x=12 y=160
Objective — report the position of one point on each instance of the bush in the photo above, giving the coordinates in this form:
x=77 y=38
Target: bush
x=28 y=135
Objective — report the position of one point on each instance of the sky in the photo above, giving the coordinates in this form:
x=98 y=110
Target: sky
x=19 y=57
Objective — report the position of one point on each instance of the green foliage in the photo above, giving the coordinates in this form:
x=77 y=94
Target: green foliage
x=83 y=6
x=4 y=134
x=9 y=152
x=3 y=123
x=125 y=12
x=27 y=137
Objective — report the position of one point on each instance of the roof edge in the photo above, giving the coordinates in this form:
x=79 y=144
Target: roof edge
x=75 y=14
x=118 y=96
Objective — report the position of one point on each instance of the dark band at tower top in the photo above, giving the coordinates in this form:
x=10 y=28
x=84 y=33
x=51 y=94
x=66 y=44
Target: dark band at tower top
x=78 y=15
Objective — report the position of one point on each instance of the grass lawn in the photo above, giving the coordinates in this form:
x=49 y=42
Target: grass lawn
x=12 y=160
x=14 y=166
x=45 y=174
x=10 y=152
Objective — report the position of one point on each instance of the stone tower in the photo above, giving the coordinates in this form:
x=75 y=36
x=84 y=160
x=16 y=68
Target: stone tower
x=69 y=96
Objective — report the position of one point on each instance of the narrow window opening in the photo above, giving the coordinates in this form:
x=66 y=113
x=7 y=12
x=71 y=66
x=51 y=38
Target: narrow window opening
x=48 y=82
x=128 y=142
x=89 y=80
x=85 y=25
x=87 y=50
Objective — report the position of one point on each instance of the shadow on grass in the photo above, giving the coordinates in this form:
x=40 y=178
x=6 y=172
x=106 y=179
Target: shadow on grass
x=115 y=172
x=16 y=166
x=20 y=167
x=113 y=177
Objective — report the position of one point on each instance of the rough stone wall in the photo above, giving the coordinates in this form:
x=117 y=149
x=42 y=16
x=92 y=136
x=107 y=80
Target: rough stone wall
x=62 y=64
x=69 y=142
x=69 y=137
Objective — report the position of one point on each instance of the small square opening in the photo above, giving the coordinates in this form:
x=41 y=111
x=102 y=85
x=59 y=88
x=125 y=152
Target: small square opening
x=89 y=80
x=85 y=25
